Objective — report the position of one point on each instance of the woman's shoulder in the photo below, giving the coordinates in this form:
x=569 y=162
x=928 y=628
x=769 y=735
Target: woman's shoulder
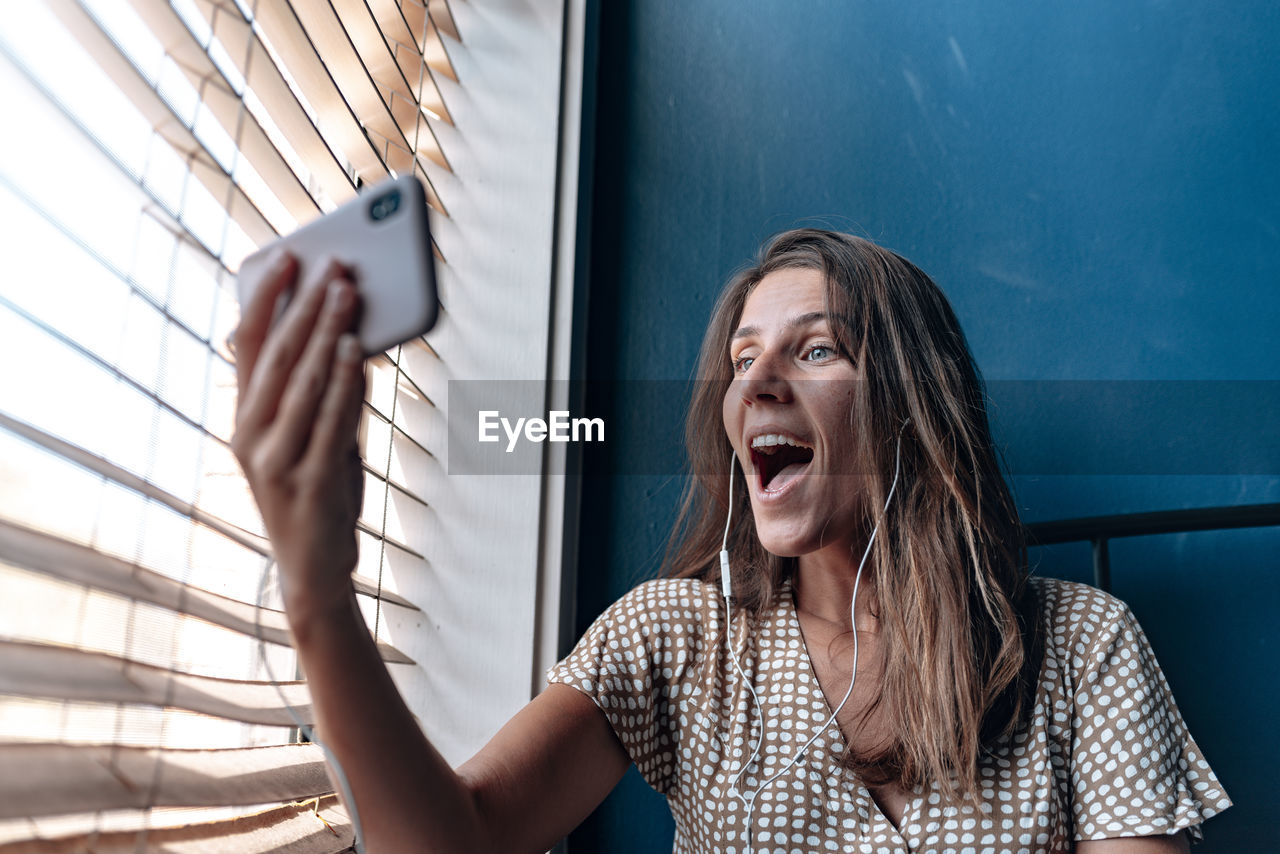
x=1132 y=766
x=671 y=607
x=1077 y=616
x=1090 y=638
x=670 y=592
x=650 y=640
x=1075 y=595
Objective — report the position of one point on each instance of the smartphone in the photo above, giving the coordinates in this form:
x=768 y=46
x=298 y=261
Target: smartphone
x=384 y=238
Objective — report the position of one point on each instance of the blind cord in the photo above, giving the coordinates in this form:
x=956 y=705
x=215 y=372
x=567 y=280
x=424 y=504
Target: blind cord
x=307 y=732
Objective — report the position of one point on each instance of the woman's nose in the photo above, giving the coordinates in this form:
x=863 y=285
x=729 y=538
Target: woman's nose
x=765 y=380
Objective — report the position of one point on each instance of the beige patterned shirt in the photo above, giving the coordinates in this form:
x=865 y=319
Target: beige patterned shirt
x=1105 y=754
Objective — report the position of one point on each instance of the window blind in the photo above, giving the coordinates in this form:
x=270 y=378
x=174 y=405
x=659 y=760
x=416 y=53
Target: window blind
x=148 y=147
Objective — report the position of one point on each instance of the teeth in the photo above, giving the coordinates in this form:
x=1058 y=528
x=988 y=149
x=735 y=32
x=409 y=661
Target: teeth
x=768 y=440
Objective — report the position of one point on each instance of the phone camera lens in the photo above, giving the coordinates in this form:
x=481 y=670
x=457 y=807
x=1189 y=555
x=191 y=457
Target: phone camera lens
x=384 y=206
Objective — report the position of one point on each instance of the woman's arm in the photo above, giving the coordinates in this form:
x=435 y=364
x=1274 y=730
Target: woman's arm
x=301 y=386
x=1175 y=844
x=532 y=783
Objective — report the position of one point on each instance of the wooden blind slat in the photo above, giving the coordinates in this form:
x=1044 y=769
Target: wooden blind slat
x=143 y=196
x=226 y=106
x=442 y=16
x=315 y=827
x=254 y=62
x=390 y=73
x=436 y=54
x=313 y=38
x=166 y=123
x=64 y=673
x=392 y=22
x=191 y=253
x=38 y=552
x=52 y=779
x=319 y=55
x=293 y=46
x=404 y=45
x=128 y=479
x=427 y=36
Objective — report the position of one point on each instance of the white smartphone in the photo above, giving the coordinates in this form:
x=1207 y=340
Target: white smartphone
x=383 y=237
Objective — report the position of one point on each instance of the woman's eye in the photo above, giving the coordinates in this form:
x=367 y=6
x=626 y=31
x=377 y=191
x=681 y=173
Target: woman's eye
x=819 y=353
x=741 y=364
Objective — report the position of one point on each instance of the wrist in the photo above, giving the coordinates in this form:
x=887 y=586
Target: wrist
x=310 y=607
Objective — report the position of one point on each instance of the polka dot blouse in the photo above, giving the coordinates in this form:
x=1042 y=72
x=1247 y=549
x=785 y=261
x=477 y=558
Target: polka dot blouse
x=1105 y=754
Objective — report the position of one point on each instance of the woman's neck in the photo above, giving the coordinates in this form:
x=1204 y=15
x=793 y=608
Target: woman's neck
x=824 y=586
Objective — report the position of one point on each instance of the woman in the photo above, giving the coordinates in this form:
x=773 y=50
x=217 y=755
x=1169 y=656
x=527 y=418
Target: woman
x=878 y=675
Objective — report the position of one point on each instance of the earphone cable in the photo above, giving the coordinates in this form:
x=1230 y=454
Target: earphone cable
x=728 y=618
x=748 y=801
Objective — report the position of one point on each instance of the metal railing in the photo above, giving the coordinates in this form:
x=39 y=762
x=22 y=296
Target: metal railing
x=1100 y=530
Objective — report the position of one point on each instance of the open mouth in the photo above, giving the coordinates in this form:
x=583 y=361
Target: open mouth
x=779 y=459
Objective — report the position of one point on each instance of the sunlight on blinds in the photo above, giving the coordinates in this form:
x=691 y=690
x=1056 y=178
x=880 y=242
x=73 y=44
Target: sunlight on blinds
x=150 y=145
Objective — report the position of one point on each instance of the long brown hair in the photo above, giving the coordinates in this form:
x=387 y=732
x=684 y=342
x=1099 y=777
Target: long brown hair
x=960 y=638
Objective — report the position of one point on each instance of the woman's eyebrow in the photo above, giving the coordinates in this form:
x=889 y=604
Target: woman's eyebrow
x=797 y=321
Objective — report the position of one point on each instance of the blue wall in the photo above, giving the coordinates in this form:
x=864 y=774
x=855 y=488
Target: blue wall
x=1094 y=185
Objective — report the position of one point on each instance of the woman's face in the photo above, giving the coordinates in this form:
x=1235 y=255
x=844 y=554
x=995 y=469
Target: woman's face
x=788 y=415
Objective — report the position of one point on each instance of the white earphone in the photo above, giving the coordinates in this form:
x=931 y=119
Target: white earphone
x=726 y=587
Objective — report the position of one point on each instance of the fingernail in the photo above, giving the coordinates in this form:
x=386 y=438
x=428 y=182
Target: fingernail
x=349 y=348
x=279 y=259
x=340 y=295
x=332 y=267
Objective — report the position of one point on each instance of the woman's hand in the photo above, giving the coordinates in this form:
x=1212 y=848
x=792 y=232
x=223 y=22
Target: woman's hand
x=301 y=385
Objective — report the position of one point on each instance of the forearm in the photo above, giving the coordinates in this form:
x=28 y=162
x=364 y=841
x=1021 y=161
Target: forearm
x=1177 y=843
x=407 y=795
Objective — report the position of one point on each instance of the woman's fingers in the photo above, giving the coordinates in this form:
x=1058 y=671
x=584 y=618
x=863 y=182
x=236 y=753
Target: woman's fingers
x=296 y=417
x=339 y=412
x=300 y=400
x=277 y=357
x=256 y=316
